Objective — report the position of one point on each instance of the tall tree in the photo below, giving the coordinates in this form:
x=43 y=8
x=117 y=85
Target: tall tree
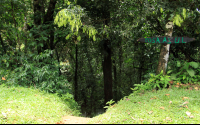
x=39 y=14
x=164 y=52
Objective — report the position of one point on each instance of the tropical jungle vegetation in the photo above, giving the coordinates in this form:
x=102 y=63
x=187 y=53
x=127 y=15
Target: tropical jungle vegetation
x=87 y=51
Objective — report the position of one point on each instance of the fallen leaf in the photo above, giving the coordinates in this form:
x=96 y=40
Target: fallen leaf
x=3 y=78
x=129 y=113
x=162 y=108
x=188 y=113
x=177 y=86
x=127 y=99
x=141 y=120
x=132 y=118
x=113 y=106
x=153 y=97
x=168 y=119
x=185 y=98
x=150 y=112
x=4 y=114
x=170 y=102
x=185 y=102
x=185 y=106
x=167 y=94
x=171 y=82
x=191 y=116
x=190 y=88
x=178 y=83
x=9 y=109
x=196 y=88
x=10 y=102
x=139 y=102
x=59 y=122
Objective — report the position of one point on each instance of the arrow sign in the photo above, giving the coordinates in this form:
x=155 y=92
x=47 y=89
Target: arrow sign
x=168 y=40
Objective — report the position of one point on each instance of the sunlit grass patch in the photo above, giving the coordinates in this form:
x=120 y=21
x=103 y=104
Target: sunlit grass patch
x=164 y=106
x=26 y=105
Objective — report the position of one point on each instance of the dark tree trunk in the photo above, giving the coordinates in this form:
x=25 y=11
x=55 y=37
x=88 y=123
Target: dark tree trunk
x=58 y=59
x=76 y=76
x=37 y=20
x=107 y=71
x=2 y=43
x=115 y=81
x=39 y=12
x=107 y=63
x=48 y=18
x=120 y=70
x=141 y=60
x=92 y=82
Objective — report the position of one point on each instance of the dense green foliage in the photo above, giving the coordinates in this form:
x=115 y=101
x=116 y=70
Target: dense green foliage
x=87 y=50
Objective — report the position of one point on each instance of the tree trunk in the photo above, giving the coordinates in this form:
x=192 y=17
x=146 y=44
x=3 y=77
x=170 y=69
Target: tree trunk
x=107 y=63
x=2 y=43
x=37 y=20
x=76 y=77
x=164 y=52
x=48 y=18
x=120 y=70
x=142 y=61
x=92 y=82
x=115 y=80
x=107 y=72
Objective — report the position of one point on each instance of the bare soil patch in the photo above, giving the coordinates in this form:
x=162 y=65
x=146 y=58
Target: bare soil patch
x=74 y=120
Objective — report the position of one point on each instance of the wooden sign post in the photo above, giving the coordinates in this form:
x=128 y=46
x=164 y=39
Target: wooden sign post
x=165 y=41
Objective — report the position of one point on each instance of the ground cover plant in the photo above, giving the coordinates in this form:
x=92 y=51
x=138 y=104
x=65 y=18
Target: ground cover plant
x=20 y=105
x=166 y=106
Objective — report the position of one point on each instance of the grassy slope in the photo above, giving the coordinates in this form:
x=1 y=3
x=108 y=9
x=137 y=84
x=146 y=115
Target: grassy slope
x=163 y=106
x=26 y=105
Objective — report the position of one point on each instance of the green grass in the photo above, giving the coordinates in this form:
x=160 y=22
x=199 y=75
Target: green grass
x=20 y=105
x=154 y=107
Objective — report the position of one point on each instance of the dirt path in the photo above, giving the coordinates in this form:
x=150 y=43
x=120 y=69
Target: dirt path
x=73 y=120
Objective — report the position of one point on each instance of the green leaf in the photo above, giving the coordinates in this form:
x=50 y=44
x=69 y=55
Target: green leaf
x=194 y=64
x=186 y=66
x=178 y=64
x=184 y=13
x=79 y=38
x=173 y=76
x=162 y=78
x=184 y=77
x=161 y=9
x=152 y=75
x=191 y=72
